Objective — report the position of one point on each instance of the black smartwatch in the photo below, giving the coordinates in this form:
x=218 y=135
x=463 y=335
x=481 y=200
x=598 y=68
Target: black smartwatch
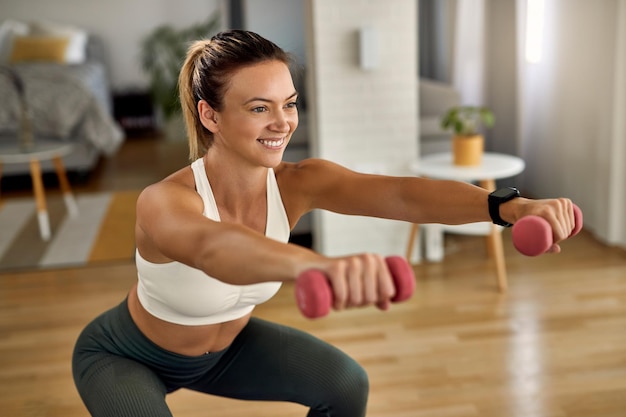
x=498 y=197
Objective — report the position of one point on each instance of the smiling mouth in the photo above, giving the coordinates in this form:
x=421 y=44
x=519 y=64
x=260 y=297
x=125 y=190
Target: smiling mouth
x=272 y=143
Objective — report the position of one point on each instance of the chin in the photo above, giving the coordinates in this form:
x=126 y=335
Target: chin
x=273 y=161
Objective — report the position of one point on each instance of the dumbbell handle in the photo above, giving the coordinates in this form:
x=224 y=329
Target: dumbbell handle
x=532 y=235
x=314 y=294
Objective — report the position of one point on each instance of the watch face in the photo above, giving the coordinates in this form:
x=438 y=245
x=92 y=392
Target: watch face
x=504 y=192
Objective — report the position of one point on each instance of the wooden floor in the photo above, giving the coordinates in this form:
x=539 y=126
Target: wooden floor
x=553 y=346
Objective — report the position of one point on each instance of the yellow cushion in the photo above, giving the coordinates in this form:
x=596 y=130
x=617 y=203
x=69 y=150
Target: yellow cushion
x=38 y=48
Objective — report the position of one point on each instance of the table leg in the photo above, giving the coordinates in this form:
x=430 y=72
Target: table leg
x=40 y=199
x=70 y=202
x=413 y=235
x=433 y=242
x=497 y=251
x=495 y=248
x=489 y=185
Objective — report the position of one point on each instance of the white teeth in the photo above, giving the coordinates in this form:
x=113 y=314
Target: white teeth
x=272 y=143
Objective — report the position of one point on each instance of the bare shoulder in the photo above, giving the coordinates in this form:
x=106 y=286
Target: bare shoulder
x=321 y=184
x=308 y=184
x=169 y=215
x=311 y=174
x=176 y=190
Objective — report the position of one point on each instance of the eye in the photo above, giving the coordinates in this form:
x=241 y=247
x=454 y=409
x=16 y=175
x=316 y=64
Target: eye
x=292 y=105
x=259 y=109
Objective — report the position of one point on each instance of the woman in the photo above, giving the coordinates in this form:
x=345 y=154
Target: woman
x=211 y=244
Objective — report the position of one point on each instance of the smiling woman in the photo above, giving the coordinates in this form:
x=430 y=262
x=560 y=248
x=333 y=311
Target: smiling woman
x=239 y=103
x=212 y=245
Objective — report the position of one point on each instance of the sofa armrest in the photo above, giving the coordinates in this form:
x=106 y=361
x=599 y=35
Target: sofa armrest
x=436 y=97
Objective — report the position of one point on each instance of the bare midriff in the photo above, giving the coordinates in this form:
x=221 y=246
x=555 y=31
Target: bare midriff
x=182 y=339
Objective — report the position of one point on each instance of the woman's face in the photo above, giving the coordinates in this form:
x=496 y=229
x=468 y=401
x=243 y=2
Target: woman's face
x=259 y=114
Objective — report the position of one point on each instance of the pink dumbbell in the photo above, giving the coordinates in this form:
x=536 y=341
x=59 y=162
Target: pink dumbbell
x=314 y=295
x=532 y=235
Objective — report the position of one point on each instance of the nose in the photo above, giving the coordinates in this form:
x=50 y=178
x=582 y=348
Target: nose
x=283 y=122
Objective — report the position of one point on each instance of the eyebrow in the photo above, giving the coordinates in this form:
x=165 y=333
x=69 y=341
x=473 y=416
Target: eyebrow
x=295 y=93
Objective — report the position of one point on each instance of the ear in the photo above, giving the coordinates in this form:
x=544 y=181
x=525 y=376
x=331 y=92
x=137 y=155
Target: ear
x=208 y=116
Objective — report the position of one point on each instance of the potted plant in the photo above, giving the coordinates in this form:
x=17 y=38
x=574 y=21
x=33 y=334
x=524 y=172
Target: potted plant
x=468 y=141
x=162 y=54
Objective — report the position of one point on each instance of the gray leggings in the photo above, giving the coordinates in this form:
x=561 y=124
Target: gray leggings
x=119 y=372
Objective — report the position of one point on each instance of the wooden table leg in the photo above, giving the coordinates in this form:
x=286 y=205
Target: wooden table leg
x=495 y=248
x=497 y=252
x=70 y=202
x=413 y=235
x=489 y=185
x=40 y=199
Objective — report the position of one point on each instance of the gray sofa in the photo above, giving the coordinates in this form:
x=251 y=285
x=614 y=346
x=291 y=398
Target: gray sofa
x=68 y=103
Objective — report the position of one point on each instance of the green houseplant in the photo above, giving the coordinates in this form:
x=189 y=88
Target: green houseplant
x=162 y=54
x=467 y=120
x=467 y=123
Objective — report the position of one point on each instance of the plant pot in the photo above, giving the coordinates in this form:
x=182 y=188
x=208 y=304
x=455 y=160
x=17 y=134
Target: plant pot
x=468 y=150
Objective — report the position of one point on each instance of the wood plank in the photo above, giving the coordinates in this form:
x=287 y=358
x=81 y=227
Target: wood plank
x=116 y=238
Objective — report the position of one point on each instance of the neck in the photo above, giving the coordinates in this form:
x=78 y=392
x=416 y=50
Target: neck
x=240 y=194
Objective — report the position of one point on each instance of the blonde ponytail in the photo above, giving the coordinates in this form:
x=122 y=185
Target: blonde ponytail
x=199 y=137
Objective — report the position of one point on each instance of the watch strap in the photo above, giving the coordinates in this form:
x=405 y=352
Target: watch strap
x=497 y=198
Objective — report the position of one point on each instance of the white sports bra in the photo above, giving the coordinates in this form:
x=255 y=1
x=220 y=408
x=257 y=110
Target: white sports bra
x=180 y=294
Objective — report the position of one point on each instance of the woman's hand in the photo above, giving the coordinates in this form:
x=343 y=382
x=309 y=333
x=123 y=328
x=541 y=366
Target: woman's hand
x=359 y=280
x=558 y=212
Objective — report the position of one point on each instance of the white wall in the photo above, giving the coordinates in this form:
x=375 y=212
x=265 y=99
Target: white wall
x=569 y=110
x=365 y=120
x=120 y=23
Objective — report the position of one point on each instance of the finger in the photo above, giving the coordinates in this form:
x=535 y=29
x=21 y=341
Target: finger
x=383 y=305
x=372 y=265
x=337 y=276
x=563 y=219
x=386 y=286
x=554 y=249
x=572 y=218
x=568 y=217
x=355 y=283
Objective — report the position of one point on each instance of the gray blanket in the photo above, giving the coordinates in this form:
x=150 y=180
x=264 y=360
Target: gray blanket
x=65 y=103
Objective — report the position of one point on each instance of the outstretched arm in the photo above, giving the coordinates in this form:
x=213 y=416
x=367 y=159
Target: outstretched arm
x=418 y=200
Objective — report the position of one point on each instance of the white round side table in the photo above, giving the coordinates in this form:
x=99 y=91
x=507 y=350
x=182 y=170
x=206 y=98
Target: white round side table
x=13 y=154
x=494 y=166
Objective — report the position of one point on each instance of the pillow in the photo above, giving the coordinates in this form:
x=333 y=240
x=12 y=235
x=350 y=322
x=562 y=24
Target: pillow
x=9 y=29
x=38 y=48
x=77 y=45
